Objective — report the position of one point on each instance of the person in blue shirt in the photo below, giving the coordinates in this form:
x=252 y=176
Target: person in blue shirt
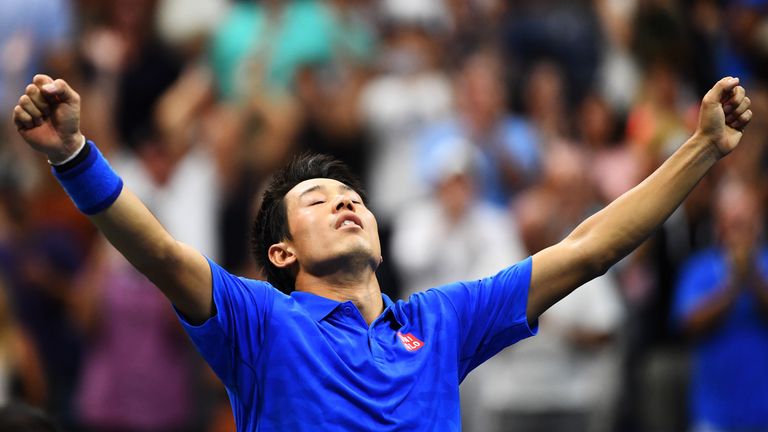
x=336 y=354
x=721 y=305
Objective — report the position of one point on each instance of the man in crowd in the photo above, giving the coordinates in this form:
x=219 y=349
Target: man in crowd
x=721 y=305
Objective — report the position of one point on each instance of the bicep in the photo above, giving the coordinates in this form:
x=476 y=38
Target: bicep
x=556 y=271
x=189 y=286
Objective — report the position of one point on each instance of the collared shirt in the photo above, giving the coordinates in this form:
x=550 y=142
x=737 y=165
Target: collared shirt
x=307 y=363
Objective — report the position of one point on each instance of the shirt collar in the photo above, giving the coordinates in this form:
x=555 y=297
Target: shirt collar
x=319 y=307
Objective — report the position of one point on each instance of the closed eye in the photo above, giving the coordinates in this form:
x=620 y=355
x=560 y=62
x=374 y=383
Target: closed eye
x=317 y=202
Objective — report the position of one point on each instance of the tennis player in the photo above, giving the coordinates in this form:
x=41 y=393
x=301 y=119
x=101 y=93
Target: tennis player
x=336 y=354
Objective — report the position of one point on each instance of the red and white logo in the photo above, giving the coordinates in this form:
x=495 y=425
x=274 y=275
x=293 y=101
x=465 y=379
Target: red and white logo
x=411 y=342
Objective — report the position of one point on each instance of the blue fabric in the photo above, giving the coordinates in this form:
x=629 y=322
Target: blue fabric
x=513 y=138
x=307 y=363
x=729 y=383
x=92 y=184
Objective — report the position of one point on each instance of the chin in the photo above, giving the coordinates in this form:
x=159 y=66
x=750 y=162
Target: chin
x=356 y=254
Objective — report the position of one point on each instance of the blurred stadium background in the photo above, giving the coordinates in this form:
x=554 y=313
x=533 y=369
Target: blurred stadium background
x=484 y=131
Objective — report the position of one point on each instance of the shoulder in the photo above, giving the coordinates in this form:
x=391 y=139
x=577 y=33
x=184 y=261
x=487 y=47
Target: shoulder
x=225 y=281
x=507 y=284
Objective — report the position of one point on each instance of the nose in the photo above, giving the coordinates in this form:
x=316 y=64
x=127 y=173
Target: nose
x=343 y=202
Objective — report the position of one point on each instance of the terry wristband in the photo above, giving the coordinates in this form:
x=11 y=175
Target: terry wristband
x=89 y=180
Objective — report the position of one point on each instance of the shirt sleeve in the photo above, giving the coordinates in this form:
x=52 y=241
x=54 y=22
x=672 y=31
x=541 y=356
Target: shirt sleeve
x=491 y=313
x=233 y=337
x=700 y=277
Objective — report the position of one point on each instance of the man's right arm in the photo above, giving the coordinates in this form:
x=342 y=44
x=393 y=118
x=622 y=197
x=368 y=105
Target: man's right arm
x=48 y=118
x=181 y=272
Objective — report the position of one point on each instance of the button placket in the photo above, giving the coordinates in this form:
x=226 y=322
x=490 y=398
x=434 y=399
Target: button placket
x=373 y=345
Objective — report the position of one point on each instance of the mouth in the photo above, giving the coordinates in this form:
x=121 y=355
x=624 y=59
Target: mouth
x=348 y=220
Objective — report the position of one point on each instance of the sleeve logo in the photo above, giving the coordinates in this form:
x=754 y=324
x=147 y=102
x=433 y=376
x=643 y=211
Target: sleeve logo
x=411 y=342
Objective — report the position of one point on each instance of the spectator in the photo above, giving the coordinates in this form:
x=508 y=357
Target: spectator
x=137 y=366
x=617 y=74
x=410 y=92
x=329 y=91
x=508 y=145
x=721 y=305
x=261 y=44
x=564 y=31
x=21 y=373
x=457 y=235
x=568 y=379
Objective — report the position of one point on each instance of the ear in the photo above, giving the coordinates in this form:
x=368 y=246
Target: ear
x=281 y=255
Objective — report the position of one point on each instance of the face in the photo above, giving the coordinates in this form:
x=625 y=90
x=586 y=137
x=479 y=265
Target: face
x=329 y=226
x=480 y=98
x=739 y=217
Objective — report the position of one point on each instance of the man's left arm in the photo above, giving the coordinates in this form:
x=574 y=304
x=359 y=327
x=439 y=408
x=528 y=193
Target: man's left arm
x=609 y=235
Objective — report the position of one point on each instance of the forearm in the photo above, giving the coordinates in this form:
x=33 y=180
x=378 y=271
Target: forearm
x=609 y=235
x=178 y=270
x=612 y=233
x=709 y=313
x=132 y=229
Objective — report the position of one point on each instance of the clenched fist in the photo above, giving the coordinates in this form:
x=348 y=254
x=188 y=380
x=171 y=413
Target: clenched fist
x=724 y=115
x=48 y=118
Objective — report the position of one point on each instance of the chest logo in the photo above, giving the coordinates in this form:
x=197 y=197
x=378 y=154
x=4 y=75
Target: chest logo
x=411 y=342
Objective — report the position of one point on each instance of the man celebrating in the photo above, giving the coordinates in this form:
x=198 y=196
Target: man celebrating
x=336 y=354
x=721 y=305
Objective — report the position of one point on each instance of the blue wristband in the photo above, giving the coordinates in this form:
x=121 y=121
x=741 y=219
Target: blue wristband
x=92 y=184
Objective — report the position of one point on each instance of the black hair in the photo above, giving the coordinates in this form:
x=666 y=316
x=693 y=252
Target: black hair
x=271 y=223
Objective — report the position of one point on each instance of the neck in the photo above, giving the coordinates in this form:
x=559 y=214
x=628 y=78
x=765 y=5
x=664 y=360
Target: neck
x=361 y=288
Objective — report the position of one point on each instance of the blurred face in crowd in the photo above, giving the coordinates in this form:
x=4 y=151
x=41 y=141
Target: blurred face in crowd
x=481 y=91
x=330 y=228
x=544 y=92
x=739 y=217
x=663 y=84
x=456 y=193
x=409 y=50
x=132 y=15
x=595 y=121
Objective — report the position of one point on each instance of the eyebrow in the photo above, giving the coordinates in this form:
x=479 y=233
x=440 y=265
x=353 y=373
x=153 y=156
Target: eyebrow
x=311 y=189
x=314 y=188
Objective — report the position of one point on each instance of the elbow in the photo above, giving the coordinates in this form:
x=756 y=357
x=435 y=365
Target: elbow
x=603 y=264
x=593 y=260
x=171 y=256
x=160 y=259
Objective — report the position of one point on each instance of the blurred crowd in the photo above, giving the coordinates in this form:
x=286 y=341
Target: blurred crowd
x=484 y=130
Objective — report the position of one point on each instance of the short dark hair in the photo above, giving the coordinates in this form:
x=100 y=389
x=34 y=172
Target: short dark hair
x=271 y=223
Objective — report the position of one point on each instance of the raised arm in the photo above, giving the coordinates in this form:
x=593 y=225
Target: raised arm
x=48 y=118
x=609 y=235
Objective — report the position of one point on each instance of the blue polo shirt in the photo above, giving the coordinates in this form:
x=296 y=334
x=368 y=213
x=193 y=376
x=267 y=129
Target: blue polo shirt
x=729 y=377
x=307 y=363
